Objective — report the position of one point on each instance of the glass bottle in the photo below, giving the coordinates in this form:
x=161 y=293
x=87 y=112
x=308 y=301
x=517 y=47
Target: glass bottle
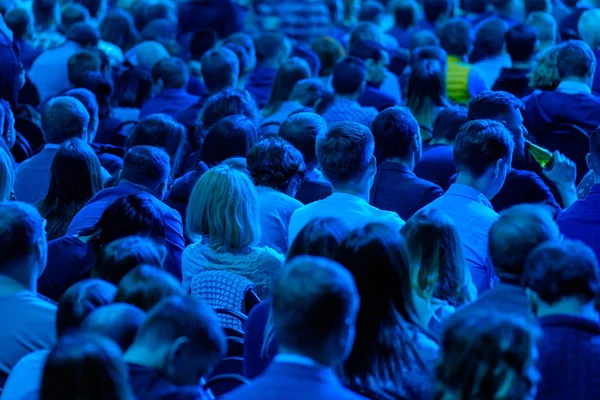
x=542 y=156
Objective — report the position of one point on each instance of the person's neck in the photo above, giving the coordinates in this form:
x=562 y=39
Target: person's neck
x=18 y=282
x=137 y=185
x=521 y=64
x=142 y=355
x=408 y=162
x=576 y=79
x=358 y=190
x=568 y=306
x=295 y=353
x=352 y=97
x=441 y=141
x=477 y=184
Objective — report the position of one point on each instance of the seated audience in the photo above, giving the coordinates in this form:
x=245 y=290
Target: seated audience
x=117 y=322
x=224 y=104
x=20 y=22
x=63 y=118
x=546 y=30
x=330 y=51
x=88 y=99
x=277 y=169
x=589 y=30
x=349 y=80
x=85 y=366
x=562 y=284
x=82 y=63
x=315 y=329
x=180 y=343
x=145 y=286
x=28 y=319
x=117 y=28
x=483 y=154
x=289 y=73
x=489 y=55
x=406 y=15
x=544 y=75
x=521 y=42
x=71 y=257
x=244 y=61
x=224 y=17
x=224 y=224
x=346 y=156
x=437 y=161
x=398 y=149
x=75 y=178
x=25 y=379
x=7 y=176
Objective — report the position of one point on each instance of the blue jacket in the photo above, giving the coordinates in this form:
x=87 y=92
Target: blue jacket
x=254 y=336
x=437 y=164
x=260 y=84
x=223 y=16
x=168 y=101
x=373 y=97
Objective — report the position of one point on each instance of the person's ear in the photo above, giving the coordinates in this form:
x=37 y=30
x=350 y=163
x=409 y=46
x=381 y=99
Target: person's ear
x=588 y=160
x=178 y=348
x=498 y=168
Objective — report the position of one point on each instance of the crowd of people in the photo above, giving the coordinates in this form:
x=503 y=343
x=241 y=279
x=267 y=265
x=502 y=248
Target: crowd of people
x=291 y=199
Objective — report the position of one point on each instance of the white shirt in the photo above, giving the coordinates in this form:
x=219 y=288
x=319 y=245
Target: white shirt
x=352 y=210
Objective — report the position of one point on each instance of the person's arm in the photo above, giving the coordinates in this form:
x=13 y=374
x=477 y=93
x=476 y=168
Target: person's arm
x=476 y=82
x=563 y=174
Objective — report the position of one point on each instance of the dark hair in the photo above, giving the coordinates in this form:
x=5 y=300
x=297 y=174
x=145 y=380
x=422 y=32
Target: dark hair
x=329 y=51
x=595 y=149
x=448 y=122
x=311 y=93
x=349 y=76
x=406 y=13
x=44 y=13
x=75 y=177
x=512 y=237
x=220 y=68
x=118 y=28
x=84 y=366
x=242 y=57
x=228 y=102
x=202 y=41
x=81 y=63
x=456 y=37
x=173 y=72
x=434 y=9
x=426 y=91
x=489 y=39
x=537 y=5
x=493 y=105
x=274 y=162
x=434 y=53
x=481 y=143
x=118 y=322
x=558 y=269
x=576 y=58
x=145 y=286
x=163 y=31
x=371 y=11
x=102 y=88
x=321 y=237
x=93 y=6
x=368 y=50
x=64 y=118
x=86 y=35
x=20 y=229
x=301 y=130
x=147 y=166
x=136 y=214
x=270 y=46
x=122 y=255
x=345 y=152
x=133 y=87
x=88 y=99
x=78 y=301
x=394 y=129
x=71 y=14
x=244 y=40
x=520 y=42
x=18 y=21
x=290 y=72
x=424 y=38
x=232 y=136
x=385 y=325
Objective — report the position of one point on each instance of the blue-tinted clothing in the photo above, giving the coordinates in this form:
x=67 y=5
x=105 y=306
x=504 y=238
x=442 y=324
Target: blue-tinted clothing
x=276 y=210
x=473 y=215
x=223 y=16
x=25 y=379
x=437 y=164
x=32 y=176
x=349 y=110
x=596 y=83
x=28 y=52
x=150 y=384
x=313 y=190
x=524 y=187
x=49 y=72
x=168 y=101
x=514 y=81
x=255 y=362
x=260 y=83
x=373 y=97
x=402 y=36
x=490 y=68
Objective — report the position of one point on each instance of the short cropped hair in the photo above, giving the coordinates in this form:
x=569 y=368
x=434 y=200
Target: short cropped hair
x=366 y=31
x=371 y=10
x=173 y=72
x=312 y=301
x=456 y=37
x=90 y=102
x=344 y=152
x=424 y=39
x=228 y=102
x=274 y=162
x=21 y=227
x=576 y=58
x=232 y=136
x=545 y=26
x=329 y=51
x=301 y=130
x=368 y=50
x=520 y=42
x=560 y=269
x=448 y=122
x=270 y=46
x=242 y=57
x=481 y=143
x=220 y=69
x=493 y=105
x=64 y=118
x=434 y=9
x=73 y=13
x=145 y=286
x=118 y=322
x=83 y=33
x=518 y=231
x=146 y=165
x=589 y=27
x=406 y=13
x=489 y=38
x=394 y=130
x=349 y=76
x=81 y=63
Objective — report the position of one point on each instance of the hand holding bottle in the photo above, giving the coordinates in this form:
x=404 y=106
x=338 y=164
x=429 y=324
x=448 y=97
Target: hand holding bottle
x=561 y=171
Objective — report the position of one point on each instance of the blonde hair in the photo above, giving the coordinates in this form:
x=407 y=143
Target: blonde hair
x=224 y=208
x=545 y=72
x=7 y=176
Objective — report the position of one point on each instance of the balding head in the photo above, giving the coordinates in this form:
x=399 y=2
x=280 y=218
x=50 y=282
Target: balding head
x=118 y=322
x=64 y=118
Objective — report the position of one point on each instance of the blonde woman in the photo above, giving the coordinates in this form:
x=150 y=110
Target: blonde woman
x=7 y=176
x=223 y=221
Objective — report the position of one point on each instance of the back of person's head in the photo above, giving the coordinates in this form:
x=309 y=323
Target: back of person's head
x=220 y=69
x=245 y=40
x=122 y=255
x=512 y=237
x=188 y=333
x=275 y=163
x=84 y=366
x=291 y=71
x=315 y=320
x=79 y=301
x=576 y=60
x=44 y=13
x=406 y=13
x=321 y=237
x=593 y=159
x=544 y=75
x=559 y=272
x=311 y=92
x=545 y=26
x=88 y=99
x=520 y=40
x=148 y=166
x=84 y=34
x=72 y=14
x=7 y=176
x=118 y=322
x=223 y=206
x=495 y=105
x=396 y=134
x=202 y=41
x=145 y=286
x=487 y=356
x=489 y=39
x=438 y=267
x=448 y=123
x=243 y=60
x=95 y=7
x=228 y=102
x=81 y=63
x=349 y=76
x=118 y=28
x=371 y=11
x=589 y=27
x=102 y=88
x=429 y=52
x=366 y=31
x=64 y=118
x=19 y=22
x=329 y=51
x=434 y=10
x=172 y=73
x=424 y=38
x=426 y=90
x=532 y=6
x=272 y=47
x=456 y=37
x=232 y=136
x=133 y=87
x=301 y=130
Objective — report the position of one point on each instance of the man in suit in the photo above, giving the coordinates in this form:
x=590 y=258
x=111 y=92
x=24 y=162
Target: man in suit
x=146 y=169
x=315 y=329
x=398 y=147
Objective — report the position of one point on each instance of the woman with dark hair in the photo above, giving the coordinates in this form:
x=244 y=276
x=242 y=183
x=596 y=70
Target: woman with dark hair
x=145 y=286
x=70 y=258
x=133 y=87
x=227 y=102
x=393 y=356
x=117 y=27
x=426 y=94
x=321 y=237
x=85 y=367
x=75 y=177
x=291 y=71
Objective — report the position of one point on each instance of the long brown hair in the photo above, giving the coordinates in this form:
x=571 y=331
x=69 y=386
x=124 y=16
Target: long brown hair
x=293 y=70
x=426 y=91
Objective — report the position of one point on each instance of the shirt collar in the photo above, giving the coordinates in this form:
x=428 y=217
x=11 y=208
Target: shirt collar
x=572 y=87
x=469 y=192
x=296 y=359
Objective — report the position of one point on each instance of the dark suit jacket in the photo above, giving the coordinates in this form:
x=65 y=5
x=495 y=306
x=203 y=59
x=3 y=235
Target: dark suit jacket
x=168 y=101
x=254 y=334
x=396 y=188
x=437 y=164
x=311 y=191
x=289 y=381
x=373 y=97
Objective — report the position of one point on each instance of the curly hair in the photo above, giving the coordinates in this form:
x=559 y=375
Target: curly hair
x=545 y=72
